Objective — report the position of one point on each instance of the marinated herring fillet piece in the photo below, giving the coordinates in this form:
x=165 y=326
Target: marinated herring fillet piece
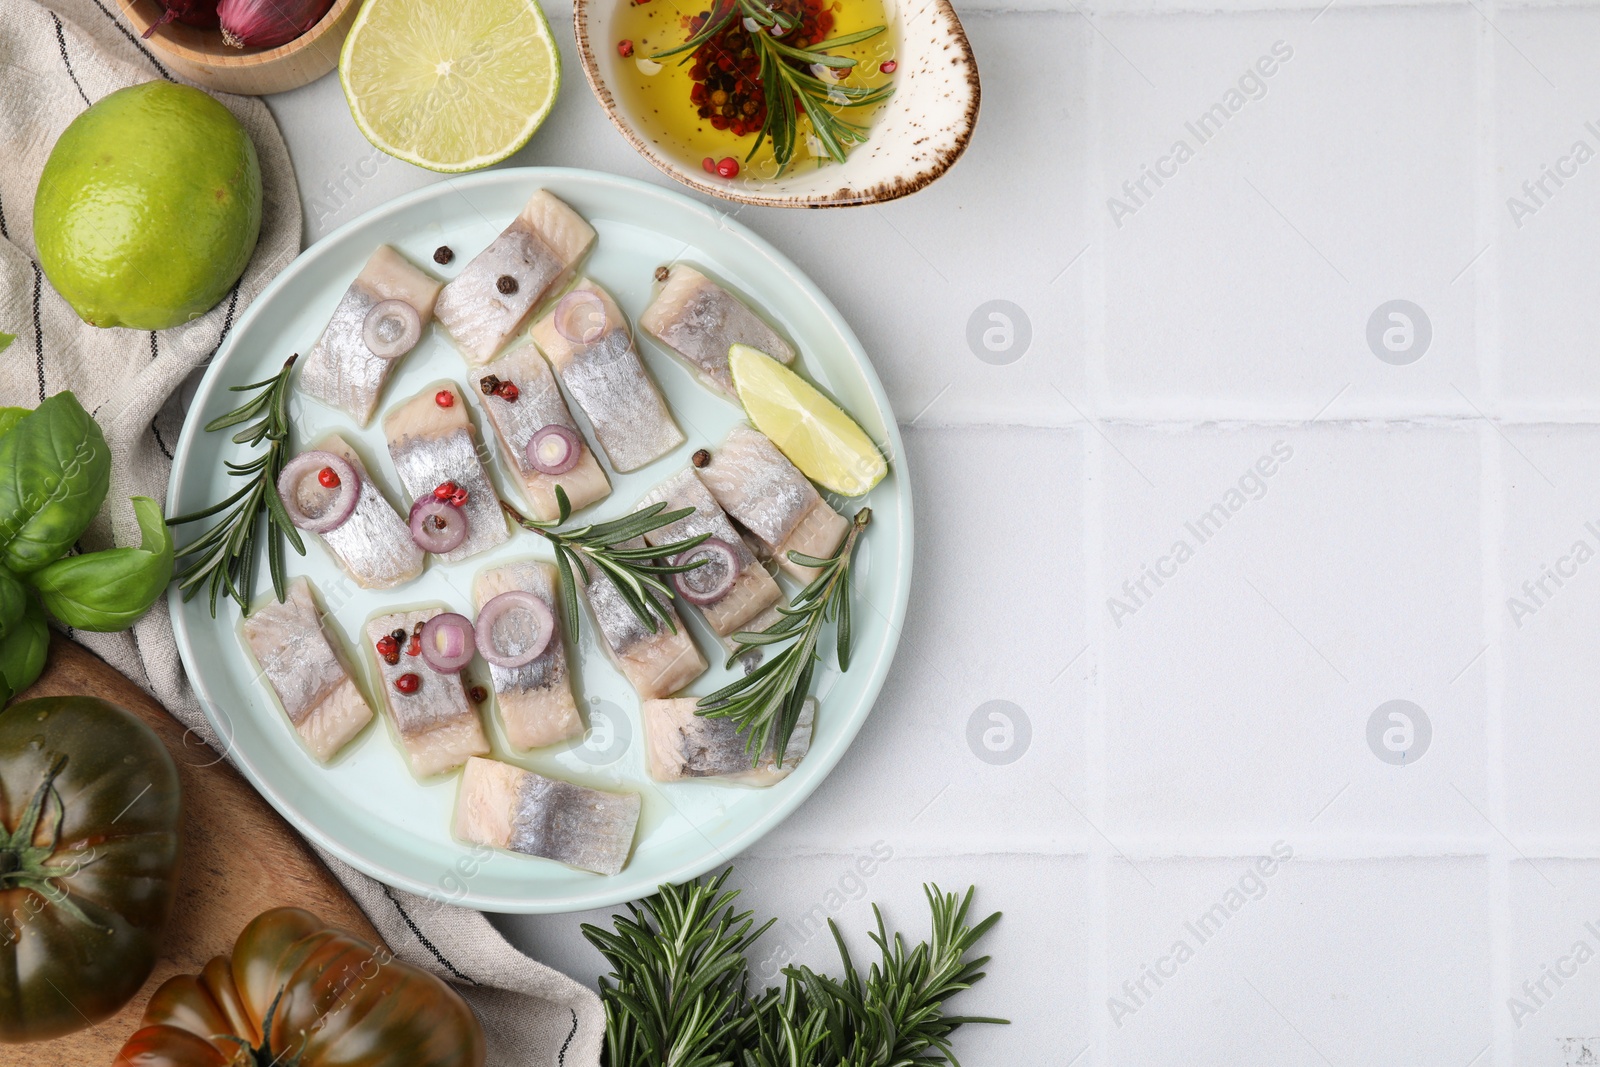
x=431 y=445
x=538 y=404
x=753 y=591
x=680 y=745
x=655 y=664
x=534 y=700
x=342 y=371
x=307 y=671
x=537 y=252
x=507 y=807
x=699 y=320
x=608 y=379
x=757 y=485
x=373 y=545
x=435 y=723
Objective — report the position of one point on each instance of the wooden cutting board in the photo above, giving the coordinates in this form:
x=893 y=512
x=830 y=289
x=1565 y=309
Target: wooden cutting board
x=239 y=859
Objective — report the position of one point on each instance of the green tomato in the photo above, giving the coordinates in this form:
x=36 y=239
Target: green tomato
x=109 y=590
x=54 y=473
x=22 y=651
x=13 y=602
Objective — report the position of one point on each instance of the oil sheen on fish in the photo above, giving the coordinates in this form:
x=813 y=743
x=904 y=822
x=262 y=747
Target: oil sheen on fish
x=539 y=403
x=610 y=383
x=534 y=700
x=307 y=671
x=537 y=252
x=753 y=590
x=374 y=544
x=655 y=664
x=757 y=485
x=699 y=321
x=507 y=807
x=341 y=370
x=680 y=744
x=436 y=725
x=431 y=445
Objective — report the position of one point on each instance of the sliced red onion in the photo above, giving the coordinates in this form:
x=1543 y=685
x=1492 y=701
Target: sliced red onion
x=529 y=625
x=447 y=642
x=711 y=581
x=391 y=329
x=437 y=525
x=338 y=503
x=581 y=317
x=554 y=450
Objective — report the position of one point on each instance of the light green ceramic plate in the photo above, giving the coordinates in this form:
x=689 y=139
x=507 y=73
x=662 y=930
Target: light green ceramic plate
x=366 y=807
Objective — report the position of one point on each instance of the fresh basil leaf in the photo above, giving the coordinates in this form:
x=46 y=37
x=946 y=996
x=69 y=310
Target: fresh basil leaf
x=23 y=650
x=13 y=601
x=54 y=473
x=5 y=340
x=9 y=417
x=109 y=590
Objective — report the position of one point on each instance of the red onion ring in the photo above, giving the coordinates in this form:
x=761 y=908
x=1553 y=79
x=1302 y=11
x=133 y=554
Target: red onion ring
x=554 y=450
x=426 y=514
x=344 y=503
x=391 y=329
x=544 y=624
x=447 y=642
x=700 y=594
x=581 y=317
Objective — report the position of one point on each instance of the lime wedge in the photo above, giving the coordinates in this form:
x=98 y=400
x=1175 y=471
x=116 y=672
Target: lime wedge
x=824 y=442
x=450 y=85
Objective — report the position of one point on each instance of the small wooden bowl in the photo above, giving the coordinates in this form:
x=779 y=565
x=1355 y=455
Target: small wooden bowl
x=201 y=57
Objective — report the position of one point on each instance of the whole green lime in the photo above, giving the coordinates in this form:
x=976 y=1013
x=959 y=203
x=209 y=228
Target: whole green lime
x=149 y=207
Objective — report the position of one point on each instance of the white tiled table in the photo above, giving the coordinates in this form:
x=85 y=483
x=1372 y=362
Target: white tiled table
x=1177 y=342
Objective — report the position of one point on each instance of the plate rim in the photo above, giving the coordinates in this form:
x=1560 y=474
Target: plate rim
x=786 y=803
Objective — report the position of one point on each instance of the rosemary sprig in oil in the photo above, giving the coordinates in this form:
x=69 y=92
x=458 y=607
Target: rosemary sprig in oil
x=766 y=703
x=224 y=556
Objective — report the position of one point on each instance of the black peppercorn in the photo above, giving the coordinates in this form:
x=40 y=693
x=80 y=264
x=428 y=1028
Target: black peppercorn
x=506 y=284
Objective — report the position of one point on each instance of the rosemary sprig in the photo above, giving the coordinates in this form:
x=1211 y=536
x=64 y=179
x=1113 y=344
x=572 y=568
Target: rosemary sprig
x=225 y=554
x=636 y=572
x=678 y=991
x=766 y=703
x=788 y=84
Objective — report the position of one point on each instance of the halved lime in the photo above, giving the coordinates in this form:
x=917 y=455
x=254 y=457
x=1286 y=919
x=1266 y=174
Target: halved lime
x=451 y=85
x=819 y=438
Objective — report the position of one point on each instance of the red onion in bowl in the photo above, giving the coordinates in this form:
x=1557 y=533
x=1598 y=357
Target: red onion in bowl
x=554 y=450
x=201 y=13
x=268 y=23
x=447 y=642
x=339 y=501
x=532 y=634
x=437 y=525
x=581 y=317
x=712 y=580
x=391 y=329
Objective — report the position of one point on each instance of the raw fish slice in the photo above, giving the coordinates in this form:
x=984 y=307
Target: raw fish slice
x=374 y=544
x=307 y=671
x=436 y=725
x=753 y=591
x=680 y=744
x=341 y=371
x=758 y=486
x=699 y=320
x=539 y=404
x=535 y=699
x=656 y=664
x=609 y=381
x=763 y=621
x=507 y=807
x=431 y=445
x=538 y=251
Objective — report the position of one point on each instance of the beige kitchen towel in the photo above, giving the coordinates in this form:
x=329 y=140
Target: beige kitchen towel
x=58 y=58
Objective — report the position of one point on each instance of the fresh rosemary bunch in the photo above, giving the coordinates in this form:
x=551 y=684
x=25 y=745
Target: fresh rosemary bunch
x=224 y=557
x=636 y=572
x=788 y=84
x=679 y=989
x=766 y=703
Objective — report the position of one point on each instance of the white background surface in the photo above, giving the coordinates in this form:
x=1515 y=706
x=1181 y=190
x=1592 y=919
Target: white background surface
x=1226 y=314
